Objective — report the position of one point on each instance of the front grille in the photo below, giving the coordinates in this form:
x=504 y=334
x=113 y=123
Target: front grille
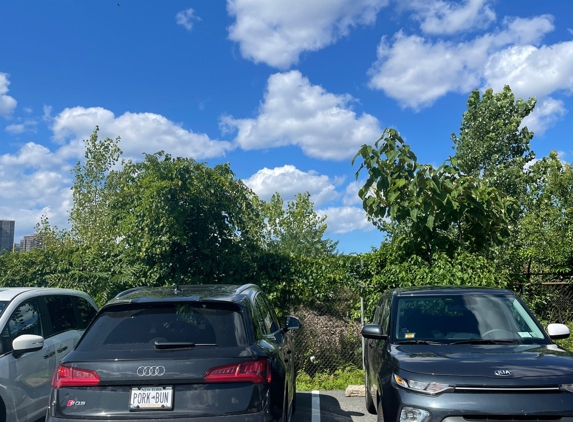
x=510 y=390
x=511 y=418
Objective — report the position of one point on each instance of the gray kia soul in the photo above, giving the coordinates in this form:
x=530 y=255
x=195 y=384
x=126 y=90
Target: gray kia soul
x=464 y=354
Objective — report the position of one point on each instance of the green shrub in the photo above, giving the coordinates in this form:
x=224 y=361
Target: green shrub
x=338 y=380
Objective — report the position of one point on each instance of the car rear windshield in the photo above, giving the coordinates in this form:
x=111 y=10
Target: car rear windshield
x=145 y=326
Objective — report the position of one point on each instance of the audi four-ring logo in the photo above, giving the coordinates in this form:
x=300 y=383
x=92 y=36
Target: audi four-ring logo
x=150 y=371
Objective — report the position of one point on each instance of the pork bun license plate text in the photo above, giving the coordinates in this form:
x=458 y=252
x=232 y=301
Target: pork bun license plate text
x=155 y=398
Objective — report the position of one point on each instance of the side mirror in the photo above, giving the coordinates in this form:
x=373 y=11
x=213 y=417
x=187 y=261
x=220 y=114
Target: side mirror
x=558 y=331
x=27 y=343
x=374 y=332
x=292 y=323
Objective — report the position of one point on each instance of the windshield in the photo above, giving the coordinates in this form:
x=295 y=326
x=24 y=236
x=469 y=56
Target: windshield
x=465 y=318
x=166 y=326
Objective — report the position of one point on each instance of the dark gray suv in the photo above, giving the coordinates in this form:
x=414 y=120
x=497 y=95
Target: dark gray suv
x=464 y=354
x=189 y=353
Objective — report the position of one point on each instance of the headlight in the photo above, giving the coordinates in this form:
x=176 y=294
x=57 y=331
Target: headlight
x=568 y=387
x=431 y=388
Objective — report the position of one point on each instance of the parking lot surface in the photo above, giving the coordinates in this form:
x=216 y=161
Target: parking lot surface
x=330 y=406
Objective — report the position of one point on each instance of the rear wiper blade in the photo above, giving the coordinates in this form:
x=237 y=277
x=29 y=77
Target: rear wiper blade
x=418 y=342
x=483 y=341
x=180 y=345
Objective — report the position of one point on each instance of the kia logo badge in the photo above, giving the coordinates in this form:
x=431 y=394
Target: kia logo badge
x=503 y=373
x=150 y=371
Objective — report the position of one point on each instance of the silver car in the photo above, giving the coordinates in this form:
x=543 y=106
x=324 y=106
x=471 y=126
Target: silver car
x=38 y=327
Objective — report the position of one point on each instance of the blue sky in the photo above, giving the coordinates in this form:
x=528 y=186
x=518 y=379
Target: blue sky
x=286 y=91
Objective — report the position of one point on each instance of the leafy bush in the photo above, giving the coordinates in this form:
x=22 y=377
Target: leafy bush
x=337 y=380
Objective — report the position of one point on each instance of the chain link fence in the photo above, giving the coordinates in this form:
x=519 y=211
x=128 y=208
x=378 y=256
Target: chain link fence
x=330 y=338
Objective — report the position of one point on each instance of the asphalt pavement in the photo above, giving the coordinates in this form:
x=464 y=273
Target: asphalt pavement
x=330 y=406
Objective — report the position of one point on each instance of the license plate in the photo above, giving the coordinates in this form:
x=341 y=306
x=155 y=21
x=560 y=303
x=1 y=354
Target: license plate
x=151 y=398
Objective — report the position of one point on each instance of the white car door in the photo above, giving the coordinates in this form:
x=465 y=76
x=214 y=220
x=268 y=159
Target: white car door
x=27 y=377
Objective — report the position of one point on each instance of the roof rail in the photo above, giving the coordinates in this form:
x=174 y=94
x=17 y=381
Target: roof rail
x=244 y=287
x=126 y=292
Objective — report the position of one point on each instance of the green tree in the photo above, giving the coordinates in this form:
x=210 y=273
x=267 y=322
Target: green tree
x=89 y=216
x=296 y=229
x=492 y=143
x=428 y=210
x=179 y=221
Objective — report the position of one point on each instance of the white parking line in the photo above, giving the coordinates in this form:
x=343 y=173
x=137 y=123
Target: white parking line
x=315 y=406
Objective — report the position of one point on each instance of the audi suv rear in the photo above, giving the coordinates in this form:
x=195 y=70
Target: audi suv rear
x=189 y=353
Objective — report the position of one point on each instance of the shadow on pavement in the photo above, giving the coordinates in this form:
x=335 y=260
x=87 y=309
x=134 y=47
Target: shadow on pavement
x=330 y=409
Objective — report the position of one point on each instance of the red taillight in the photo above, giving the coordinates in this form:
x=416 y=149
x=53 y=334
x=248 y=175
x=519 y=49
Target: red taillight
x=256 y=371
x=66 y=376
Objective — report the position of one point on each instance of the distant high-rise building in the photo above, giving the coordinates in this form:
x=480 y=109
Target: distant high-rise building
x=29 y=242
x=7 y=234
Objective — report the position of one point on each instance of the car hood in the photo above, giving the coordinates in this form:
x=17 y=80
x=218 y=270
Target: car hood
x=483 y=360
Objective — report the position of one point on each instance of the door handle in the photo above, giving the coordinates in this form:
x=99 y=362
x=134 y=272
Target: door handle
x=286 y=360
x=49 y=355
x=289 y=351
x=60 y=350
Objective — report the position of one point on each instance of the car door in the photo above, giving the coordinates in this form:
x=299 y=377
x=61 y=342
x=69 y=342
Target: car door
x=376 y=348
x=279 y=347
x=26 y=378
x=65 y=328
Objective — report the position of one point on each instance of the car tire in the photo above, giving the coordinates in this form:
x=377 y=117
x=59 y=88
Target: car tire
x=370 y=406
x=379 y=412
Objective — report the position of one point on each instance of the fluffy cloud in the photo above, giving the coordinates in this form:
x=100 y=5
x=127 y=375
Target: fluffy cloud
x=288 y=181
x=294 y=112
x=342 y=220
x=351 y=195
x=277 y=32
x=7 y=103
x=186 y=18
x=17 y=128
x=532 y=71
x=34 y=182
x=441 y=17
x=140 y=132
x=544 y=115
x=417 y=71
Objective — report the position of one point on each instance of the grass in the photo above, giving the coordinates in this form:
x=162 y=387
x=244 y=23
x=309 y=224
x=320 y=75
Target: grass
x=338 y=380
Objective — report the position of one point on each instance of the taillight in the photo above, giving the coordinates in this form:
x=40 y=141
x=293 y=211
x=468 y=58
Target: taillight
x=255 y=371
x=66 y=376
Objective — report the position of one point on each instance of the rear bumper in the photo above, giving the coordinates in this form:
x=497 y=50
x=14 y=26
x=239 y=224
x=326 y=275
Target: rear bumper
x=255 y=417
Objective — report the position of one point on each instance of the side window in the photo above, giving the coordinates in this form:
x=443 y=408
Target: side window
x=385 y=319
x=270 y=320
x=86 y=311
x=24 y=320
x=62 y=314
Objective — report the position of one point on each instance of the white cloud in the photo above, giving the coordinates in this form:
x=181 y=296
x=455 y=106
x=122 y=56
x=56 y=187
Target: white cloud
x=186 y=18
x=7 y=103
x=446 y=17
x=294 y=112
x=351 y=195
x=532 y=71
x=140 y=132
x=47 y=116
x=277 y=32
x=544 y=115
x=342 y=220
x=18 y=128
x=289 y=181
x=416 y=71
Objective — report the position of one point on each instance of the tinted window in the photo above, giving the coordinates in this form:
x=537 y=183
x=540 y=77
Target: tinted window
x=267 y=315
x=24 y=320
x=62 y=314
x=86 y=310
x=128 y=327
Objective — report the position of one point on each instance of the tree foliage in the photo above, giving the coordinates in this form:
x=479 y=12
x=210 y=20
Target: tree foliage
x=493 y=144
x=429 y=210
x=296 y=229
